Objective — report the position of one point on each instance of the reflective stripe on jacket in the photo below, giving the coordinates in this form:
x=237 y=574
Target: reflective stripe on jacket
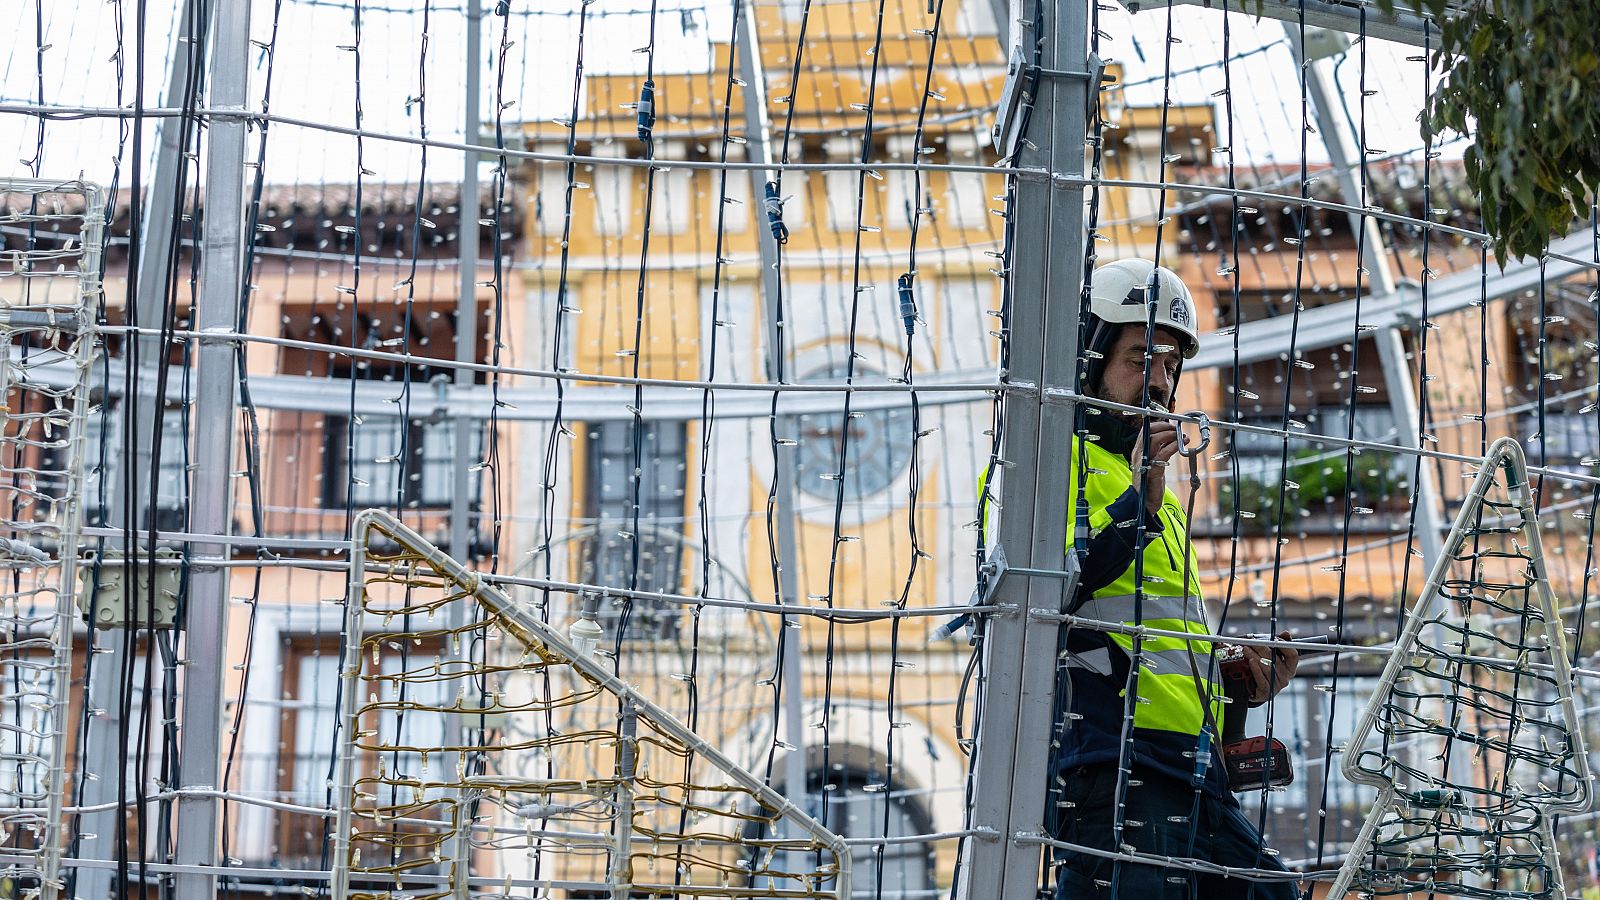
x=1168 y=715
x=1168 y=696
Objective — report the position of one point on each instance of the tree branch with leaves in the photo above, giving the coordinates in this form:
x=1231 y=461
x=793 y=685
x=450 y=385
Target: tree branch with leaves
x=1521 y=79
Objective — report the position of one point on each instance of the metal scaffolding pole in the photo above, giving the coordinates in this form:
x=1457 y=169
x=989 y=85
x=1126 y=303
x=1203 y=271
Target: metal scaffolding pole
x=462 y=526
x=1401 y=26
x=1001 y=10
x=157 y=228
x=1431 y=526
x=467 y=302
x=215 y=393
x=757 y=128
x=1046 y=262
x=1334 y=128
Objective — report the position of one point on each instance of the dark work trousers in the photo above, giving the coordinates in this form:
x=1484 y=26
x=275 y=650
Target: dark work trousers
x=1219 y=833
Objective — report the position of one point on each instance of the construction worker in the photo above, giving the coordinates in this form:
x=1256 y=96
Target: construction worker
x=1162 y=719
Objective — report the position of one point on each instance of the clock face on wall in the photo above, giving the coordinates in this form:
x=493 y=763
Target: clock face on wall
x=878 y=450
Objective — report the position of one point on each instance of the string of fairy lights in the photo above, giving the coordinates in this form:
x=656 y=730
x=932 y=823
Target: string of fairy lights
x=718 y=496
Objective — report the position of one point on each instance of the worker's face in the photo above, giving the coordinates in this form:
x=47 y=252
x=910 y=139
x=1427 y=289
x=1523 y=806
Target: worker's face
x=1124 y=379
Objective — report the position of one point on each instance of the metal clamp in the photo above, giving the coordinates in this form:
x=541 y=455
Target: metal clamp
x=1016 y=99
x=991 y=573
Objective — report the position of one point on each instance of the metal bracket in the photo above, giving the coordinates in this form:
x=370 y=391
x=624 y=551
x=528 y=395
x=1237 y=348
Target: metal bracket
x=1016 y=100
x=990 y=574
x=1097 y=77
x=218 y=335
x=1016 y=97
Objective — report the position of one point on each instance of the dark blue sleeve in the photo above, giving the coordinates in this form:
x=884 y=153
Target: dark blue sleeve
x=1111 y=551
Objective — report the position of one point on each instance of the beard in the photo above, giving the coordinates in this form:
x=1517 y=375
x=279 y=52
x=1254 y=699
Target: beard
x=1132 y=397
x=1117 y=430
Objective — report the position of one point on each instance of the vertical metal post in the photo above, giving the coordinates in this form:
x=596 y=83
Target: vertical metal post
x=1431 y=526
x=155 y=272
x=756 y=130
x=620 y=872
x=99 y=828
x=1001 y=10
x=464 y=455
x=1046 y=279
x=215 y=392
x=467 y=303
x=142 y=411
x=1346 y=157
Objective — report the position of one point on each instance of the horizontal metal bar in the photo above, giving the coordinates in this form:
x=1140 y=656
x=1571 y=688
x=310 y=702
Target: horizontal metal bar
x=1038 y=573
x=1338 y=15
x=227 y=872
x=810 y=260
x=844 y=614
x=117 y=112
x=329 y=812
x=1183 y=863
x=1336 y=323
x=1383 y=649
x=1307 y=203
x=117 y=536
x=933 y=387
x=1357 y=443
x=1064 y=73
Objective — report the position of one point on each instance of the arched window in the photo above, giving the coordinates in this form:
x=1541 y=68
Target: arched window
x=855 y=811
x=856 y=808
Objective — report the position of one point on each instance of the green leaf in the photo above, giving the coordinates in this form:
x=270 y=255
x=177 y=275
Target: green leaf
x=1524 y=72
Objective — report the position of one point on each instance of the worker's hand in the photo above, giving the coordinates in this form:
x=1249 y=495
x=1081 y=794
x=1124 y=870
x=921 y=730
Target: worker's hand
x=1269 y=673
x=1163 y=444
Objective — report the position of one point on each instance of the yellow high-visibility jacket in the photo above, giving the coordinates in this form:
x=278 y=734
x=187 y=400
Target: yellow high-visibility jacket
x=1095 y=670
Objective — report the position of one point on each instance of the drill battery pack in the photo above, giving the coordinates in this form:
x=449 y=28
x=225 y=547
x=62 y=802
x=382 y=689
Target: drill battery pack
x=1256 y=763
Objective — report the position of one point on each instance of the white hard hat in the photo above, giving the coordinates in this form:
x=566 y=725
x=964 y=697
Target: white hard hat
x=1119 y=294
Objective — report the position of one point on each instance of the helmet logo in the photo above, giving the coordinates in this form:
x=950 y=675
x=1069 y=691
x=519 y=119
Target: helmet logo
x=1180 y=312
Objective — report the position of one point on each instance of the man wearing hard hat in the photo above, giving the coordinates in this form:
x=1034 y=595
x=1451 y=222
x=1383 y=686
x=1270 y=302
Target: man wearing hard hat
x=1175 y=799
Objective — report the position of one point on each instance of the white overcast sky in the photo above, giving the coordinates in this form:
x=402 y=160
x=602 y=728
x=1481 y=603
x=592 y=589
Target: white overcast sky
x=314 y=79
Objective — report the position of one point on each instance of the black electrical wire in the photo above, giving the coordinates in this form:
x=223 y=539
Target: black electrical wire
x=645 y=110
x=1340 y=610
x=356 y=332
x=908 y=314
x=708 y=401
x=564 y=308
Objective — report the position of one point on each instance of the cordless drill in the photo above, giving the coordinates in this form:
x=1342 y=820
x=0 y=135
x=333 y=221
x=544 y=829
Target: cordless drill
x=1252 y=764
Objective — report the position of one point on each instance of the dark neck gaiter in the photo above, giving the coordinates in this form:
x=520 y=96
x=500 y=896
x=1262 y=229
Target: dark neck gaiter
x=1116 y=432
